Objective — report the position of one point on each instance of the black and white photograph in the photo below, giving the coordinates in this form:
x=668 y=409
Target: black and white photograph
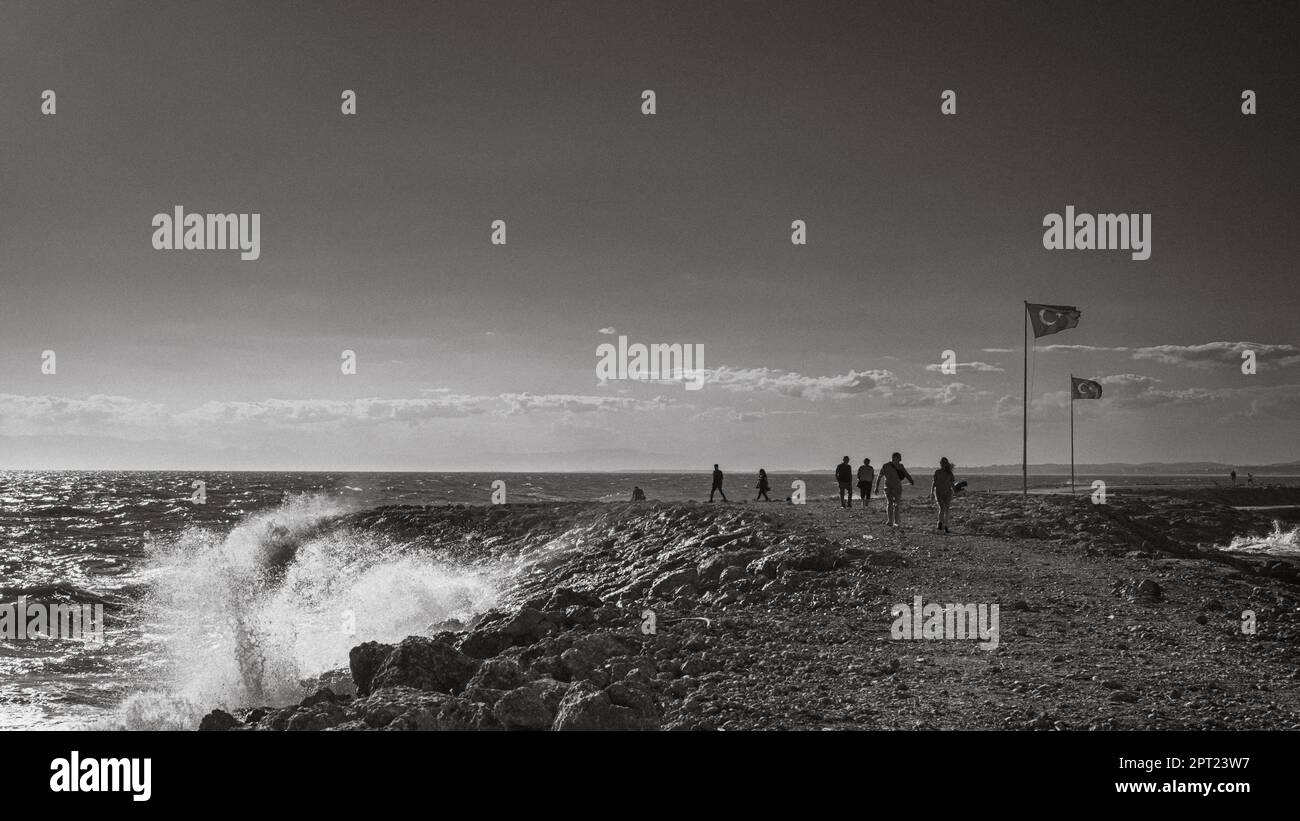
x=768 y=368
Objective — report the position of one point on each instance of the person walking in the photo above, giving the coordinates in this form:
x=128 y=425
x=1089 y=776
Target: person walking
x=717 y=484
x=844 y=478
x=943 y=489
x=892 y=476
x=866 y=475
x=763 y=486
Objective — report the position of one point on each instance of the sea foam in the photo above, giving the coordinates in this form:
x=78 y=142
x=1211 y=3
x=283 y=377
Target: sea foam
x=242 y=618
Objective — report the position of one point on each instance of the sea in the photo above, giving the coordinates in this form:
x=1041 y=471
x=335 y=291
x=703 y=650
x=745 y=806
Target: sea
x=171 y=557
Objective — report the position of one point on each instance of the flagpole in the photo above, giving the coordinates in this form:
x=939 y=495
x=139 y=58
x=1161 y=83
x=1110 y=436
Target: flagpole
x=1071 y=435
x=1024 y=427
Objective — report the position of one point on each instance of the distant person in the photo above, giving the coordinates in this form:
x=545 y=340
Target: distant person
x=892 y=475
x=638 y=495
x=866 y=476
x=943 y=489
x=763 y=486
x=717 y=484
x=1250 y=478
x=844 y=477
x=1234 y=477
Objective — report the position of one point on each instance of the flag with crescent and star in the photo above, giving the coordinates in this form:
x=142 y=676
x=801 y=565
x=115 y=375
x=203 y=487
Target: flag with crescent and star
x=1051 y=319
x=1084 y=388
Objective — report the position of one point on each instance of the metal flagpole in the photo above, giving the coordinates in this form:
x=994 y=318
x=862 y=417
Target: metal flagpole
x=1072 y=434
x=1024 y=427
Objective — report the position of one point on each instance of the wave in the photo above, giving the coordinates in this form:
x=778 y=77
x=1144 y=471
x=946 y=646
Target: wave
x=1278 y=543
x=243 y=618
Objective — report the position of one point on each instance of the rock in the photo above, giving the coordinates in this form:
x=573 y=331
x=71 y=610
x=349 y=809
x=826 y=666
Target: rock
x=712 y=568
x=530 y=707
x=319 y=717
x=364 y=661
x=322 y=696
x=672 y=581
x=499 y=673
x=218 y=721
x=585 y=707
x=424 y=664
x=589 y=653
x=886 y=558
x=564 y=598
x=731 y=574
x=1147 y=589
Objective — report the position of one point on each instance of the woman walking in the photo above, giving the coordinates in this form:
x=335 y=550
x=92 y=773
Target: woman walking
x=942 y=489
x=763 y=486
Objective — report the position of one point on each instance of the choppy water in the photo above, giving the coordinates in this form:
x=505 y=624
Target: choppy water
x=233 y=601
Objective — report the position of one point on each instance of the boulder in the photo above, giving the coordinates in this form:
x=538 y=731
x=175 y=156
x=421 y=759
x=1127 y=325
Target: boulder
x=530 y=707
x=585 y=707
x=364 y=661
x=425 y=664
x=218 y=721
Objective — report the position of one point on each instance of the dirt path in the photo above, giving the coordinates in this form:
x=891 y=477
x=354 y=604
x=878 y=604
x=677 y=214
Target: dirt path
x=1078 y=648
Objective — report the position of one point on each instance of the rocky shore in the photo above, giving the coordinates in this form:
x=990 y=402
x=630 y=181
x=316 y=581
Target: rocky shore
x=774 y=616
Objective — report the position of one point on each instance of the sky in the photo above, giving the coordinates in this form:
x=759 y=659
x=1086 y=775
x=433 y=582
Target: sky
x=924 y=233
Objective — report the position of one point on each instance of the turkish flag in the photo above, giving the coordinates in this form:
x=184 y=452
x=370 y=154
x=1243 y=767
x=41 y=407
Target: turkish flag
x=1051 y=319
x=1084 y=388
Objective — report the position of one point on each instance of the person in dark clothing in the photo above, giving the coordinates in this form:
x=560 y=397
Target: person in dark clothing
x=866 y=475
x=892 y=476
x=943 y=489
x=638 y=495
x=763 y=486
x=844 y=477
x=717 y=484
x=1234 y=477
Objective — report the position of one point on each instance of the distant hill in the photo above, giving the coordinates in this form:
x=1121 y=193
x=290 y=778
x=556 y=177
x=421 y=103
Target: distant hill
x=1147 y=468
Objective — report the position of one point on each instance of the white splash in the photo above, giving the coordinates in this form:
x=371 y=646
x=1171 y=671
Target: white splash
x=1278 y=543
x=282 y=597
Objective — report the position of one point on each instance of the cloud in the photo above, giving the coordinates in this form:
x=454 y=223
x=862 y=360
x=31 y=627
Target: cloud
x=794 y=385
x=608 y=330
x=876 y=382
x=1136 y=392
x=102 y=414
x=94 y=411
x=1207 y=355
x=1219 y=353
x=1080 y=348
x=937 y=367
x=998 y=350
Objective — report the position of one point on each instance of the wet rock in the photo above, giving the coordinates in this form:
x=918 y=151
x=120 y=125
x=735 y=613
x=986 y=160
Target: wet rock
x=425 y=664
x=364 y=661
x=322 y=696
x=218 y=721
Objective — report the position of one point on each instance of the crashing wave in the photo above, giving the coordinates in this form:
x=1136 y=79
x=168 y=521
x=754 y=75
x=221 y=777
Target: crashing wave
x=1278 y=543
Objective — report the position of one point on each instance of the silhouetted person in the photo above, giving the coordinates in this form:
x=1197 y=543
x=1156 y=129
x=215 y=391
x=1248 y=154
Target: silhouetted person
x=844 y=477
x=943 y=489
x=1250 y=478
x=763 y=486
x=717 y=484
x=866 y=475
x=892 y=475
x=638 y=495
x=1233 y=476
